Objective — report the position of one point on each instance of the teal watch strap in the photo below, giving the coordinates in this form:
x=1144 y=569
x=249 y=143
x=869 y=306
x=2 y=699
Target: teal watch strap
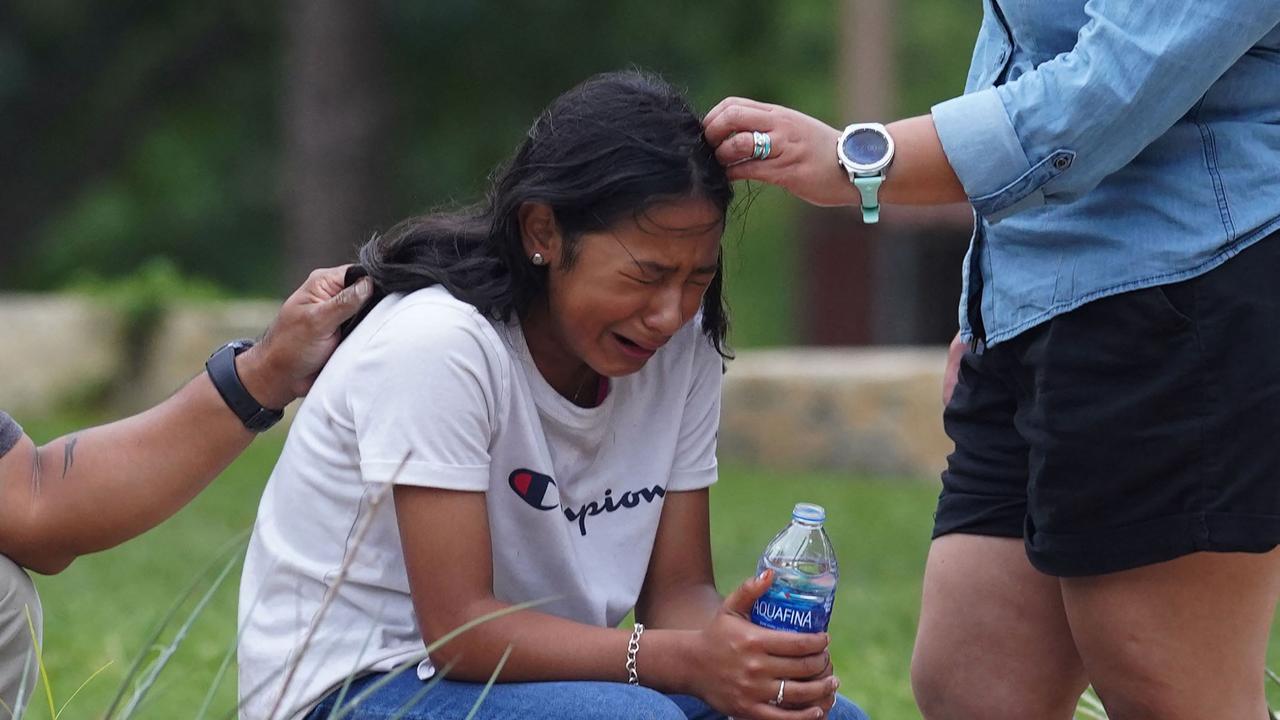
x=869 y=188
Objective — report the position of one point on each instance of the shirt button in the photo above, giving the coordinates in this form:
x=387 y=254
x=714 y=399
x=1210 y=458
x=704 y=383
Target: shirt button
x=1062 y=162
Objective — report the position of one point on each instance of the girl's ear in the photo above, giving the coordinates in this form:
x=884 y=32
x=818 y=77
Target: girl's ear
x=539 y=232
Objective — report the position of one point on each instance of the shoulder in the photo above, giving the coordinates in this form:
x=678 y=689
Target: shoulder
x=431 y=320
x=421 y=339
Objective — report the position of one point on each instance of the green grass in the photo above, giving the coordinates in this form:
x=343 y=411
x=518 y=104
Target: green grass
x=103 y=609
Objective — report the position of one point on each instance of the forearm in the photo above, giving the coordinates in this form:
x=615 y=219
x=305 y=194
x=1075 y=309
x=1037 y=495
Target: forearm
x=96 y=488
x=689 y=607
x=546 y=647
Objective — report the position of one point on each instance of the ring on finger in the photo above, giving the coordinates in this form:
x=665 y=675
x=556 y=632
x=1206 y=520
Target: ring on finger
x=782 y=688
x=761 y=145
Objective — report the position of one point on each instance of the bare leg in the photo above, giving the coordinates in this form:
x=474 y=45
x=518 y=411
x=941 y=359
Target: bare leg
x=1180 y=639
x=993 y=641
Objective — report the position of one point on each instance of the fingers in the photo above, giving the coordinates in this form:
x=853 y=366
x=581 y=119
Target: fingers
x=760 y=170
x=348 y=302
x=730 y=102
x=826 y=672
x=745 y=595
x=324 y=283
x=739 y=148
x=774 y=712
x=809 y=667
x=795 y=645
x=738 y=119
x=810 y=693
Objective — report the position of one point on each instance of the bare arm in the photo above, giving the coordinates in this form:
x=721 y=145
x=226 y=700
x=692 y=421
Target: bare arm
x=679 y=589
x=96 y=488
x=730 y=663
x=803 y=159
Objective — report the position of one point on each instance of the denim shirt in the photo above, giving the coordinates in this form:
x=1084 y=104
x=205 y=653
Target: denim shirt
x=1111 y=145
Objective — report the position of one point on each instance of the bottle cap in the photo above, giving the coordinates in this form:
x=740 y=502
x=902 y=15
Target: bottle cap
x=808 y=512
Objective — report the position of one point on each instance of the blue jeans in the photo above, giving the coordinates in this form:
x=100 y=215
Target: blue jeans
x=570 y=700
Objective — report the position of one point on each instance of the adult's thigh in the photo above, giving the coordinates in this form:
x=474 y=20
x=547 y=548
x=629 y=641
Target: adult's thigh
x=993 y=640
x=1186 y=638
x=17 y=651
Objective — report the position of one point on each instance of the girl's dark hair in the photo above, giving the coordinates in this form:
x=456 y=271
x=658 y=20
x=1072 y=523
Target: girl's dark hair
x=608 y=149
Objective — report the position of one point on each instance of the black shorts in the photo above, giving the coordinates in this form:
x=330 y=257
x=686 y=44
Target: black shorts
x=1135 y=429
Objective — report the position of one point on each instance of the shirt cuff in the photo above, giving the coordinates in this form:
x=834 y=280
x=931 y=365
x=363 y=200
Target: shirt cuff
x=427 y=474
x=983 y=149
x=684 y=480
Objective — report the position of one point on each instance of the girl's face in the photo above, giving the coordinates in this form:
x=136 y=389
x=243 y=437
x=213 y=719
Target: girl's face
x=630 y=288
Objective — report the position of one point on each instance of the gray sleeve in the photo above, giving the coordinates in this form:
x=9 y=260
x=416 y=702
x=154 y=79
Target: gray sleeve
x=10 y=433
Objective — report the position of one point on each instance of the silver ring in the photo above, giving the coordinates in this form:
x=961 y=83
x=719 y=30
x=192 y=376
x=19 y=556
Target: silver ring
x=782 y=687
x=761 y=145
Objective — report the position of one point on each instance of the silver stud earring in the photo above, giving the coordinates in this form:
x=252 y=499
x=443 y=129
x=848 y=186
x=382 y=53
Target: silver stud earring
x=538 y=259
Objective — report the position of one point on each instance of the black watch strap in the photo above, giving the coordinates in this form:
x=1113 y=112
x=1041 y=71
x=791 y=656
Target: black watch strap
x=221 y=367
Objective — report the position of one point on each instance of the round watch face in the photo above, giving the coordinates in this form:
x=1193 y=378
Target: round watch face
x=866 y=146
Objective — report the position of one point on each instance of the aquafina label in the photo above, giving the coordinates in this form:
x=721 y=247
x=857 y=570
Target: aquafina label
x=804 y=575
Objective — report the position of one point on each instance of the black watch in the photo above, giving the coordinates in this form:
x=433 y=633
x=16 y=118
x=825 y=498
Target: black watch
x=221 y=367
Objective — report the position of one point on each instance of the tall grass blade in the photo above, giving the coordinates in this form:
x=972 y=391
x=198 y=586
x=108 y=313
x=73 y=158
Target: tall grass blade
x=439 y=642
x=231 y=545
x=1090 y=707
x=217 y=677
x=1090 y=698
x=44 y=673
x=252 y=693
x=167 y=653
x=88 y=680
x=371 y=688
x=390 y=675
x=489 y=685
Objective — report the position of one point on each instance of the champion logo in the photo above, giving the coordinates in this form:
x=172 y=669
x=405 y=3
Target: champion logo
x=532 y=487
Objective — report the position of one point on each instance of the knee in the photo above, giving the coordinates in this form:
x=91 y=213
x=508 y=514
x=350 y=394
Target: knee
x=1143 y=695
x=938 y=686
x=945 y=689
x=1134 y=703
x=929 y=686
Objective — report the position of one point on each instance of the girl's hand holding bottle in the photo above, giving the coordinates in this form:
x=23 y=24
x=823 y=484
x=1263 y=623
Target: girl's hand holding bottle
x=744 y=666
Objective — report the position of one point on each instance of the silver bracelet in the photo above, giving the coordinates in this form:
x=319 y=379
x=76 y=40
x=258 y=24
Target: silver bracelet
x=633 y=647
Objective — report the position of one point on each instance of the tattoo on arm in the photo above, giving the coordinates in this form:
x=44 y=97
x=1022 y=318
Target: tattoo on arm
x=69 y=454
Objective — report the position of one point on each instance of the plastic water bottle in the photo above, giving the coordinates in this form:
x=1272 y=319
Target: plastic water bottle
x=805 y=575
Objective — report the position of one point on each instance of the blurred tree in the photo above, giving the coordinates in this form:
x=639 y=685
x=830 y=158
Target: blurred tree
x=336 y=123
x=143 y=128
x=86 y=93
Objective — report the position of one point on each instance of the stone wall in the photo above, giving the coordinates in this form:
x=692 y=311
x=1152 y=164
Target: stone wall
x=873 y=411
x=857 y=411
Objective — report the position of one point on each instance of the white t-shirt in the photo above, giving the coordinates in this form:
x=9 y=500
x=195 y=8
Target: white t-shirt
x=426 y=391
